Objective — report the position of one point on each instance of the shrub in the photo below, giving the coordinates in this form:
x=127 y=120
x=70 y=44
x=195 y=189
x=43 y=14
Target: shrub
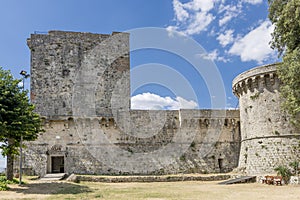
x=284 y=172
x=295 y=166
x=3 y=186
x=3 y=183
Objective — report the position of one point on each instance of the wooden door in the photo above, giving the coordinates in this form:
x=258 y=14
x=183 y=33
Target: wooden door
x=57 y=164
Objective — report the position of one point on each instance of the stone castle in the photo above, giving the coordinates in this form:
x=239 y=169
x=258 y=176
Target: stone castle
x=80 y=85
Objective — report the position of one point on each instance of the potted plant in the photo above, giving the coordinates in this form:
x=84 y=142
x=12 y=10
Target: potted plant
x=284 y=172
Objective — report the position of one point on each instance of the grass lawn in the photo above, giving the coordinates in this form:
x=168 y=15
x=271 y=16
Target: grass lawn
x=151 y=191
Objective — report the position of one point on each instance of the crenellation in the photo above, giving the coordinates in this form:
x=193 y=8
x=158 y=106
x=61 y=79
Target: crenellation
x=256 y=82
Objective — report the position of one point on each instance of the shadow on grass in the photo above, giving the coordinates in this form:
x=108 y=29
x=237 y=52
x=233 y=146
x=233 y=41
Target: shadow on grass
x=51 y=188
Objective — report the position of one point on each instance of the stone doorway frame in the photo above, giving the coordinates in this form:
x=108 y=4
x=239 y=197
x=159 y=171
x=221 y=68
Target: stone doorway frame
x=55 y=151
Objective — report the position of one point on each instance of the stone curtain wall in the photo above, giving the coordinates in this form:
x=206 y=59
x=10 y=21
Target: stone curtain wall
x=87 y=144
x=268 y=140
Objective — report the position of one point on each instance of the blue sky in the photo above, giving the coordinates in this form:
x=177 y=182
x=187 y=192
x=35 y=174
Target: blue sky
x=234 y=35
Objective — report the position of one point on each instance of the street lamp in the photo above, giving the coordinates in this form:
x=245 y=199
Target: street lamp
x=24 y=76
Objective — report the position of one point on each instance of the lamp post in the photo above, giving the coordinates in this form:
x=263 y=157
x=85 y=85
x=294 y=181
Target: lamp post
x=24 y=76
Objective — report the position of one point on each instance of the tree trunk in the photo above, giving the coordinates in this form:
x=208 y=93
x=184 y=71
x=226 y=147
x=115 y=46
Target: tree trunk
x=10 y=163
x=10 y=167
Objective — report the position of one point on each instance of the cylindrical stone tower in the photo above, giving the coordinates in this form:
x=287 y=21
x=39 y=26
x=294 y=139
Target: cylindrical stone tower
x=267 y=138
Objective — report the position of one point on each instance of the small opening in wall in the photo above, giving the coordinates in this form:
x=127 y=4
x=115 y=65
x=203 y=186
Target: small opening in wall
x=226 y=122
x=65 y=72
x=220 y=164
x=206 y=122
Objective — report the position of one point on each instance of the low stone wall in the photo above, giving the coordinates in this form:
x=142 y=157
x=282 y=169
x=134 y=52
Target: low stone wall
x=170 y=178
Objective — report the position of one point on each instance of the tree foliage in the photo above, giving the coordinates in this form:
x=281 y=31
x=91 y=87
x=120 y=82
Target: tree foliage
x=289 y=73
x=285 y=16
x=16 y=116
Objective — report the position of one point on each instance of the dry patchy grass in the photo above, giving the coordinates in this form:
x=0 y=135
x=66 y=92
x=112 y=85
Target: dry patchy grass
x=150 y=191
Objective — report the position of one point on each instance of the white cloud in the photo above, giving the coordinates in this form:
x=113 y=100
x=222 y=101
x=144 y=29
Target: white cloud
x=230 y=12
x=225 y=19
x=214 y=56
x=253 y=1
x=226 y=38
x=180 y=13
x=254 y=46
x=230 y=107
x=173 y=31
x=193 y=17
x=199 y=22
x=200 y=5
x=149 y=101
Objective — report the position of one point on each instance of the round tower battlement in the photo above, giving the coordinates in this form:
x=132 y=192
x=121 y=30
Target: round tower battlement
x=267 y=138
x=259 y=78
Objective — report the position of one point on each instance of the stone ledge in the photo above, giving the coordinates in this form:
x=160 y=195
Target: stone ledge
x=290 y=136
x=165 y=178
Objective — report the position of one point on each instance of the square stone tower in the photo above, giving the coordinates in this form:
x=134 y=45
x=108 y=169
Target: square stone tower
x=79 y=74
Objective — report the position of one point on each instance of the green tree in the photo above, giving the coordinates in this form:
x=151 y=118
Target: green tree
x=285 y=16
x=16 y=118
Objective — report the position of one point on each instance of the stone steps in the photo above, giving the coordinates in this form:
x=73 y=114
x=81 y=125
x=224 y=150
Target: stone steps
x=53 y=177
x=243 y=179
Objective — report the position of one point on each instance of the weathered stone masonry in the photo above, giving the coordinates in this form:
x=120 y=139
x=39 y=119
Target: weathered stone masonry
x=67 y=69
x=267 y=138
x=80 y=85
